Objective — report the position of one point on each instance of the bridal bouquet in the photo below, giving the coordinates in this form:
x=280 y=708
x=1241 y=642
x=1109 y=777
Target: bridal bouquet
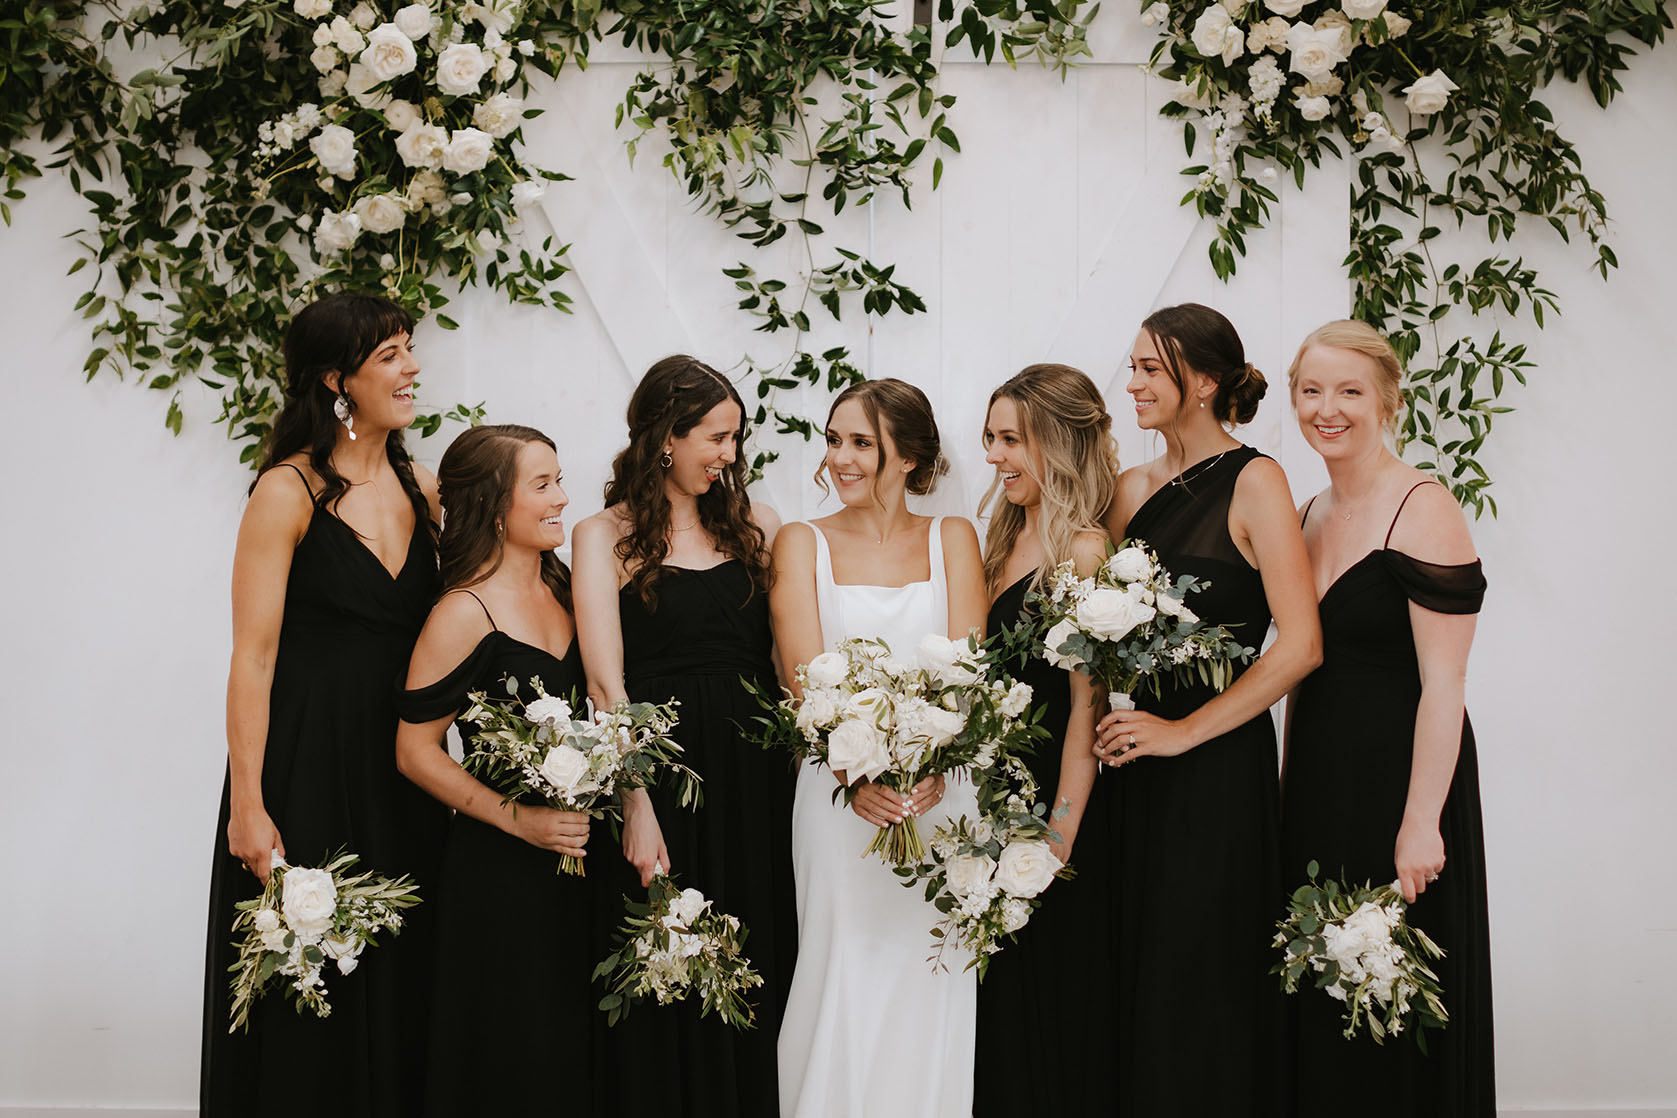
x=544 y=751
x=870 y=716
x=1129 y=622
x=305 y=917
x=1363 y=953
x=985 y=876
x=672 y=945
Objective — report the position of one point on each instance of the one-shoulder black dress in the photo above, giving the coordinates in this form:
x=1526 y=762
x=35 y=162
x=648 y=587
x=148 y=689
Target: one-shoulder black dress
x=513 y=1006
x=1197 y=843
x=329 y=781
x=709 y=630
x=1046 y=994
x=1348 y=766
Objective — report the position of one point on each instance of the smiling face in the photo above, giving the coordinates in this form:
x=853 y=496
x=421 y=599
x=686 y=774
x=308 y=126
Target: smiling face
x=533 y=517
x=699 y=458
x=382 y=387
x=1337 y=398
x=1017 y=463
x=1159 y=403
x=863 y=464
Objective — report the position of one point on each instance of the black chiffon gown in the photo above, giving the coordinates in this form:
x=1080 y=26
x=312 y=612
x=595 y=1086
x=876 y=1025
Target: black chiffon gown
x=1348 y=766
x=1197 y=843
x=1045 y=996
x=329 y=782
x=515 y=943
x=709 y=630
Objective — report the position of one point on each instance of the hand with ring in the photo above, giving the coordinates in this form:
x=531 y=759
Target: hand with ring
x=1419 y=854
x=1125 y=735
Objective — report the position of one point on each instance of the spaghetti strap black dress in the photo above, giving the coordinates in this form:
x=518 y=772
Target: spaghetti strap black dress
x=708 y=632
x=1348 y=765
x=1046 y=996
x=329 y=781
x=1196 y=838
x=515 y=945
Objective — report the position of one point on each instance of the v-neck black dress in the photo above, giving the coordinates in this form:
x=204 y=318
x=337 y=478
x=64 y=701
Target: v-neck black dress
x=1348 y=769
x=1197 y=843
x=329 y=781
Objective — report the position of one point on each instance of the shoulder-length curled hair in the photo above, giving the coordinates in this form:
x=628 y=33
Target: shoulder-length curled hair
x=671 y=399
x=1202 y=339
x=897 y=409
x=338 y=332
x=1359 y=337
x=1072 y=457
x=476 y=478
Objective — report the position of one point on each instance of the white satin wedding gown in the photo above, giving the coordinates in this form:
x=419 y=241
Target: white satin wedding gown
x=870 y=1030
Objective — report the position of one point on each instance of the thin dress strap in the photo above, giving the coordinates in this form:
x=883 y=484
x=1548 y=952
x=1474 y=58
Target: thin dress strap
x=484 y=608
x=1306 y=515
x=303 y=477
x=826 y=594
x=1399 y=511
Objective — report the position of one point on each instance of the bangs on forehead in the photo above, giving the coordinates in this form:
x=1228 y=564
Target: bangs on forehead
x=373 y=322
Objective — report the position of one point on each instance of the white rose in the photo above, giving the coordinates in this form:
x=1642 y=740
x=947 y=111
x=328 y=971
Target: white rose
x=816 y=710
x=334 y=146
x=944 y=660
x=499 y=115
x=365 y=88
x=342 y=947
x=423 y=145
x=424 y=188
x=415 y=21
x=468 y=150
x=336 y=232
x=323 y=35
x=857 y=748
x=324 y=57
x=349 y=40
x=347 y=963
x=1170 y=604
x=1215 y=35
x=547 y=709
x=494 y=16
x=1396 y=25
x=363 y=15
x=332 y=84
x=1056 y=637
x=1015 y=914
x=871 y=704
x=459 y=69
x=827 y=670
x=1130 y=564
x=1315 y=52
x=688 y=906
x=528 y=192
x=459 y=199
x=1018 y=699
x=1026 y=868
x=1109 y=614
x=401 y=115
x=942 y=726
x=1190 y=96
x=1336 y=21
x=1288 y=8
x=1363 y=9
x=309 y=900
x=1429 y=94
x=968 y=873
x=274 y=939
x=312 y=9
x=1155 y=14
x=389 y=53
x=266 y=920
x=564 y=768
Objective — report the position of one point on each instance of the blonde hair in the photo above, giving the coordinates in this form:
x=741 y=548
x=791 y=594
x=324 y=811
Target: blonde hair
x=1073 y=459
x=1358 y=337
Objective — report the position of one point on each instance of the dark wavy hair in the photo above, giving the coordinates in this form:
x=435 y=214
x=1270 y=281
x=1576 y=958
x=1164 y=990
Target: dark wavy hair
x=671 y=399
x=898 y=409
x=337 y=332
x=1203 y=339
x=476 y=479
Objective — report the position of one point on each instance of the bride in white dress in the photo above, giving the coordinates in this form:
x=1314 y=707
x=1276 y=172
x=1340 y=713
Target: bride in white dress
x=870 y=1030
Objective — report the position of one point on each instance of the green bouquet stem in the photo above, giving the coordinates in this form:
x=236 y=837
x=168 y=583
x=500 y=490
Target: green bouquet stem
x=899 y=844
x=571 y=864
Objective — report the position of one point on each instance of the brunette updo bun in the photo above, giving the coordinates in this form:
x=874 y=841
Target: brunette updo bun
x=1238 y=396
x=1195 y=336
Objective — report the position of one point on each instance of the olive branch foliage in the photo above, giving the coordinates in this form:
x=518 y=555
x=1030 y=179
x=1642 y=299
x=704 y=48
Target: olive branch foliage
x=773 y=116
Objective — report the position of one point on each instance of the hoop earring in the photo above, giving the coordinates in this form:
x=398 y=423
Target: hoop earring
x=341 y=409
x=666 y=461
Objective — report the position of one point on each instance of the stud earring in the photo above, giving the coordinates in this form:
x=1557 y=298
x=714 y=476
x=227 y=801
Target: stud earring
x=341 y=409
x=666 y=461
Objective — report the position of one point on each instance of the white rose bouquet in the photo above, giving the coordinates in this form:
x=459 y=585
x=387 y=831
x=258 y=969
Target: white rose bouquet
x=673 y=945
x=870 y=716
x=986 y=877
x=1362 y=951
x=304 y=918
x=1130 y=623
x=547 y=752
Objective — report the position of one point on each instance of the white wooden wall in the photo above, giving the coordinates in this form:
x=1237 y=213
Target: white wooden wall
x=1054 y=233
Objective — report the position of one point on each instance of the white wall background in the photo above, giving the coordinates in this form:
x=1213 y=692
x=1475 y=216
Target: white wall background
x=1052 y=236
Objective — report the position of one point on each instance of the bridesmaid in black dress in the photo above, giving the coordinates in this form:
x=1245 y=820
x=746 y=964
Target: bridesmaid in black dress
x=1382 y=779
x=1049 y=437
x=333 y=572
x=515 y=949
x=1201 y=1021
x=672 y=603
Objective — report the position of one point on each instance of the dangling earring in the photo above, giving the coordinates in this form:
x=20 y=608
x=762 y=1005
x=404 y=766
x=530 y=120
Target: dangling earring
x=1202 y=403
x=340 y=408
x=666 y=461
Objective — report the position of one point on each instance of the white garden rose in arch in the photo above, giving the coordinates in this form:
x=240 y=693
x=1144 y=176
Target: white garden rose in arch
x=1429 y=94
x=469 y=150
x=423 y=145
x=381 y=213
x=1288 y=8
x=1315 y=52
x=499 y=114
x=366 y=89
x=336 y=232
x=401 y=115
x=389 y=54
x=362 y=16
x=334 y=146
x=312 y=9
x=1363 y=9
x=415 y=21
x=460 y=68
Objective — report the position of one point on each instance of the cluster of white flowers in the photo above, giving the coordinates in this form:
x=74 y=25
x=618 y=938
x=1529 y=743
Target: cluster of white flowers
x=988 y=874
x=1371 y=964
x=680 y=947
